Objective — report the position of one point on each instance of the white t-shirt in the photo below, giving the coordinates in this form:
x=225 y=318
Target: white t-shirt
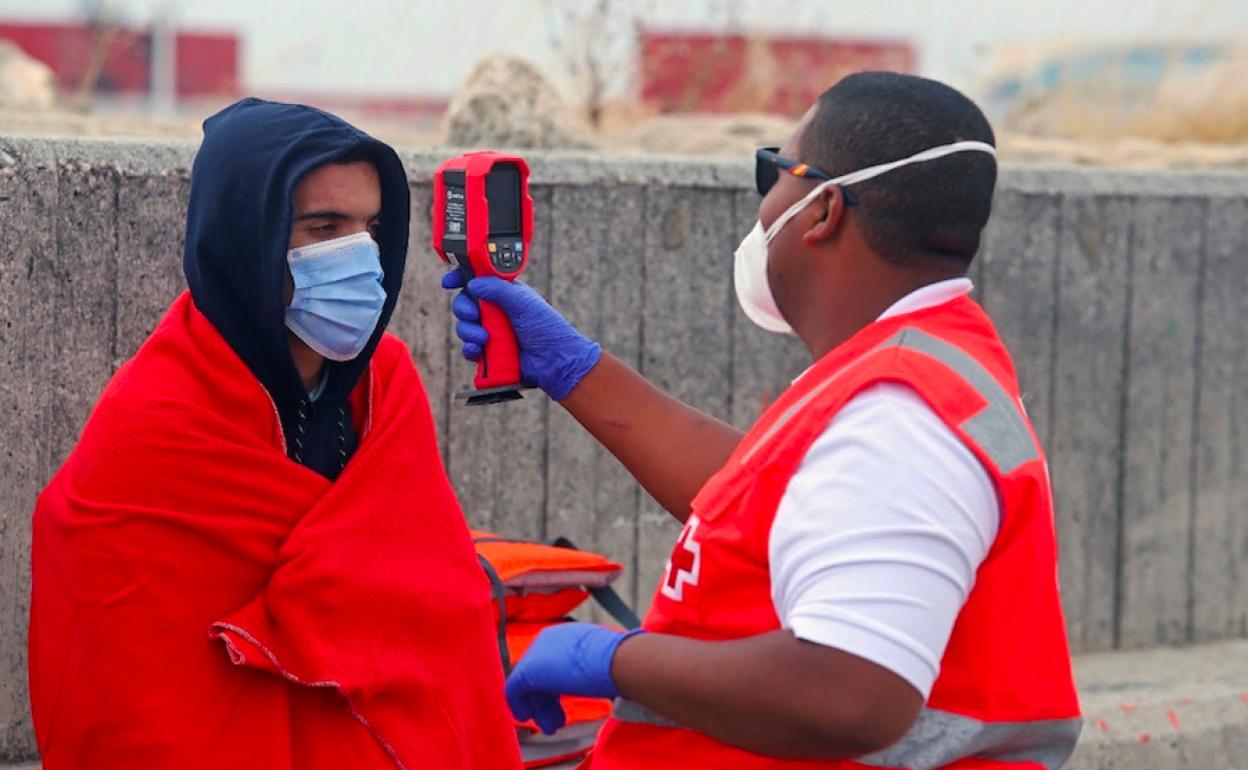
x=878 y=537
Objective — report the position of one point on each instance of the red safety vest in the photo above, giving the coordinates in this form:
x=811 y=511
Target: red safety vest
x=1005 y=696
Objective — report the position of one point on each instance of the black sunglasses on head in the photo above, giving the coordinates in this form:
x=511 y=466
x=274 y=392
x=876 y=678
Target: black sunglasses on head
x=768 y=163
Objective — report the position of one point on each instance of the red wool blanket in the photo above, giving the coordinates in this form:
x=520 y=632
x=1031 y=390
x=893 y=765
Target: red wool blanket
x=201 y=601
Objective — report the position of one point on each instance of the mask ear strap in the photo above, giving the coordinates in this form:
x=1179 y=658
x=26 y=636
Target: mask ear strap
x=793 y=210
x=862 y=175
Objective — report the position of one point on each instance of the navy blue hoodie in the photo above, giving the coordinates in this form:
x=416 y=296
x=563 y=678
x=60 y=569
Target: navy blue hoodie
x=238 y=223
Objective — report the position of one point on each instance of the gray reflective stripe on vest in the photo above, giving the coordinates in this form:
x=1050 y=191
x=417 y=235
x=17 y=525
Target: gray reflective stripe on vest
x=630 y=711
x=793 y=409
x=999 y=429
x=938 y=738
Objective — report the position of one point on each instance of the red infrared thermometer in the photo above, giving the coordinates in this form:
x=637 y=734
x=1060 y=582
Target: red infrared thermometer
x=482 y=224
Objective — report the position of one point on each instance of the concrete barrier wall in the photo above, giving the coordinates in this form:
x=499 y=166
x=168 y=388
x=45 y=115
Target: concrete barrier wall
x=1124 y=297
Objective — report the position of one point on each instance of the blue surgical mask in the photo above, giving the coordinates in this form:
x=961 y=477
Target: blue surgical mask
x=338 y=296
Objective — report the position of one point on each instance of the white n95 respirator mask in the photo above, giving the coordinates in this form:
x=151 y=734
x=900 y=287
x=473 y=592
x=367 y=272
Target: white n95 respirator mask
x=750 y=266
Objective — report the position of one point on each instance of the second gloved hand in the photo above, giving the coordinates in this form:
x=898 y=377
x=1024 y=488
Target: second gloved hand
x=567 y=659
x=553 y=355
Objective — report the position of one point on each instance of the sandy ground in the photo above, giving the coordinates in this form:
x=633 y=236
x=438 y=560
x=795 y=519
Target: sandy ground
x=690 y=134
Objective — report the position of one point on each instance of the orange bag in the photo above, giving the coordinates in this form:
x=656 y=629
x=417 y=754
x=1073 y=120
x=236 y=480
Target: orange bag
x=542 y=582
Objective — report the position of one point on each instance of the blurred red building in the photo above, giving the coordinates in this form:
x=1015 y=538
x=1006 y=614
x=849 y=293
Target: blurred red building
x=207 y=64
x=704 y=72
x=206 y=70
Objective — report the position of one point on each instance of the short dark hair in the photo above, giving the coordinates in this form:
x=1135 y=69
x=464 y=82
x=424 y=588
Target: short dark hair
x=359 y=153
x=934 y=209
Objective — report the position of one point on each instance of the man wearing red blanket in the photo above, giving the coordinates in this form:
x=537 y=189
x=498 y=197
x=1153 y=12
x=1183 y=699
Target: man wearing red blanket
x=253 y=557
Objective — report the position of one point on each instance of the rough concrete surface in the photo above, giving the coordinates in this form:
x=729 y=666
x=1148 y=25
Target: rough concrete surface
x=1121 y=295
x=1162 y=395
x=1085 y=444
x=1184 y=708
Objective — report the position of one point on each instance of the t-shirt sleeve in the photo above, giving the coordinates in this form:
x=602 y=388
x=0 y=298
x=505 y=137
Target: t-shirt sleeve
x=879 y=534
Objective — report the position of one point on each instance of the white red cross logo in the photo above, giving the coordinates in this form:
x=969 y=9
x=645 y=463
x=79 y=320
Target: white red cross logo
x=684 y=565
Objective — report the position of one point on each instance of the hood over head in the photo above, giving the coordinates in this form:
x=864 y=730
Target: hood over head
x=238 y=225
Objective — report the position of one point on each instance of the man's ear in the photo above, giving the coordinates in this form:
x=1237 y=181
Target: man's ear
x=832 y=202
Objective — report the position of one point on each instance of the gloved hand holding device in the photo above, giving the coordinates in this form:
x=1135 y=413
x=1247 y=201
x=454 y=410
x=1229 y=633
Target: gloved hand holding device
x=553 y=355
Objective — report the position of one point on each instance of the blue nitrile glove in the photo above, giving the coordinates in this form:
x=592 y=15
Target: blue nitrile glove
x=553 y=355
x=567 y=659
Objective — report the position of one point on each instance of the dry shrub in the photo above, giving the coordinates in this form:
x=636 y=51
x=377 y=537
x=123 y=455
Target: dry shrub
x=1188 y=105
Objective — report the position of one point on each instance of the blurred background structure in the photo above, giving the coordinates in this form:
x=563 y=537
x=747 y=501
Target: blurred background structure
x=1149 y=82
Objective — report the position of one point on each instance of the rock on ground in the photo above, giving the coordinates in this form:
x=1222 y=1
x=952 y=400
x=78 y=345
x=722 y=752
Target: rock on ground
x=507 y=102
x=24 y=82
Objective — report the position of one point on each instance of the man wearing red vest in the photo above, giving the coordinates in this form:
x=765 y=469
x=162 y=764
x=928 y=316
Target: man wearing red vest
x=867 y=577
